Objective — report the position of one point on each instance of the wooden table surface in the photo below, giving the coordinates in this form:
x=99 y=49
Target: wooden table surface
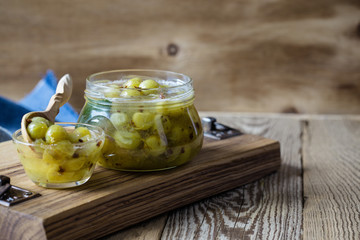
x=315 y=194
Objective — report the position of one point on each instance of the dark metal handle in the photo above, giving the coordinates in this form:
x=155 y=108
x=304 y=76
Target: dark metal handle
x=10 y=195
x=213 y=129
x=4 y=180
x=4 y=188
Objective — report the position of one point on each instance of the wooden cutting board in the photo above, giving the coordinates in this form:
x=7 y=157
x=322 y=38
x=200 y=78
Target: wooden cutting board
x=112 y=200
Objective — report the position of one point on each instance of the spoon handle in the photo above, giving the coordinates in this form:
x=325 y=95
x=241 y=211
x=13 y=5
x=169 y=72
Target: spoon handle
x=61 y=96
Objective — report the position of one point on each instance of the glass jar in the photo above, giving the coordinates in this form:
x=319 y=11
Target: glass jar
x=148 y=116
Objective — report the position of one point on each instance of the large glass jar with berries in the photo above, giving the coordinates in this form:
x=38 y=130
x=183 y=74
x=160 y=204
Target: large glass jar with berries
x=148 y=116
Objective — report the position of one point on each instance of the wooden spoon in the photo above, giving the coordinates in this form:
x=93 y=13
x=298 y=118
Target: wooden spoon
x=61 y=96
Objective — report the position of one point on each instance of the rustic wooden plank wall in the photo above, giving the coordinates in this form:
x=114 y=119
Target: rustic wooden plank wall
x=253 y=56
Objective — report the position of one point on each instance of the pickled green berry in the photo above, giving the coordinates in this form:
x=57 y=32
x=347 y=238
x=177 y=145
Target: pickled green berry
x=155 y=145
x=128 y=140
x=132 y=83
x=37 y=130
x=56 y=133
x=149 y=84
x=119 y=120
x=40 y=142
x=168 y=108
x=80 y=134
x=143 y=120
x=130 y=93
x=39 y=145
x=41 y=119
x=179 y=134
x=112 y=93
x=63 y=148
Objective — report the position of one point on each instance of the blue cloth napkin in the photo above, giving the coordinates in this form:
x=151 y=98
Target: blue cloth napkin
x=4 y=134
x=36 y=100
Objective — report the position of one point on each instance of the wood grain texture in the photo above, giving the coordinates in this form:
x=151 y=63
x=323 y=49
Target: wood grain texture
x=113 y=200
x=332 y=179
x=28 y=227
x=270 y=208
x=268 y=56
x=146 y=230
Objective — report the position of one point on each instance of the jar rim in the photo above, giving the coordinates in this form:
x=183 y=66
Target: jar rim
x=185 y=78
x=178 y=86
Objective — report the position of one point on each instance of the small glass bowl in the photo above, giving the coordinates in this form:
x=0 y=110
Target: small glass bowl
x=63 y=164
